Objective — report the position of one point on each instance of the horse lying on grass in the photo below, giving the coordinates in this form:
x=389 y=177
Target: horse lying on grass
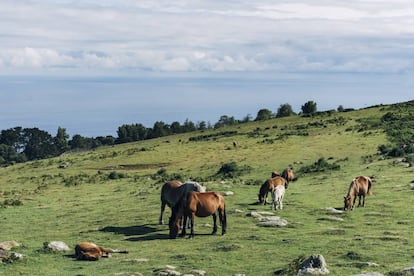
x=200 y=205
x=359 y=187
x=173 y=191
x=89 y=251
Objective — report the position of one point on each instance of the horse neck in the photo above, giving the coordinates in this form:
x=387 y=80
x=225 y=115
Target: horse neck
x=353 y=189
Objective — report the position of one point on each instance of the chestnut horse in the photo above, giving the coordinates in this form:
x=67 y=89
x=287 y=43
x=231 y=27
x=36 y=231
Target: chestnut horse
x=173 y=191
x=268 y=186
x=200 y=205
x=89 y=251
x=359 y=187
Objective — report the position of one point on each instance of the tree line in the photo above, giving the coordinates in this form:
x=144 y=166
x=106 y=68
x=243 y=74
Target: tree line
x=25 y=144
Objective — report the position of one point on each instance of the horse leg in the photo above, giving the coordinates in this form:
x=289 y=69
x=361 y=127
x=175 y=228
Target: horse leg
x=359 y=201
x=161 y=219
x=223 y=220
x=183 y=226
x=215 y=224
x=363 y=200
x=191 y=226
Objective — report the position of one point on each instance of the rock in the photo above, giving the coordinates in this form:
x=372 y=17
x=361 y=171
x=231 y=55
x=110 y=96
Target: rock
x=272 y=222
x=333 y=210
x=7 y=256
x=138 y=260
x=228 y=193
x=56 y=246
x=369 y=274
x=409 y=270
x=197 y=272
x=315 y=264
x=128 y=274
x=7 y=245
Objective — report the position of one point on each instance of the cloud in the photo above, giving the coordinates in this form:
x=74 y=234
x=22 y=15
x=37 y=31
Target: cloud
x=206 y=36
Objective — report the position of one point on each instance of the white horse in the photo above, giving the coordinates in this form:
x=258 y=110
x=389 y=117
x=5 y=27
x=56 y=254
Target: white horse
x=277 y=197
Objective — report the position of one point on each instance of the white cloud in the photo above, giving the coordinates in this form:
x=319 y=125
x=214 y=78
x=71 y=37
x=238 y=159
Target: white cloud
x=208 y=36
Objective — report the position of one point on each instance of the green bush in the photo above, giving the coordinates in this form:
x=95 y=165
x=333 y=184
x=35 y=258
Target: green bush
x=232 y=170
x=319 y=166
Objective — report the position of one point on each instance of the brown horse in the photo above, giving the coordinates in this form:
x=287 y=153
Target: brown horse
x=359 y=187
x=173 y=191
x=275 y=173
x=288 y=175
x=200 y=205
x=268 y=186
x=89 y=251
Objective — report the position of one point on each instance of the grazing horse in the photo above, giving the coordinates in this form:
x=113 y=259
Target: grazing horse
x=173 y=191
x=200 y=205
x=89 y=251
x=268 y=186
x=277 y=197
x=359 y=187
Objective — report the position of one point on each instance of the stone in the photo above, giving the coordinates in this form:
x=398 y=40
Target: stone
x=315 y=264
x=56 y=246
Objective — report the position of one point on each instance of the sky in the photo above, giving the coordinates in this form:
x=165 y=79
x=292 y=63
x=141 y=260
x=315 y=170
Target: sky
x=91 y=66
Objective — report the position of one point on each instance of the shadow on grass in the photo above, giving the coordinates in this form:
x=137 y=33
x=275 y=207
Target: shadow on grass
x=140 y=232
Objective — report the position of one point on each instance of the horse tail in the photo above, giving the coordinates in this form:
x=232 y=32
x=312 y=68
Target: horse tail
x=223 y=218
x=369 y=192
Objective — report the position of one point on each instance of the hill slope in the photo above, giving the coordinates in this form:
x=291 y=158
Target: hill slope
x=111 y=196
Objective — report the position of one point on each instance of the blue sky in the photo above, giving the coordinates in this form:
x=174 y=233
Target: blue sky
x=91 y=66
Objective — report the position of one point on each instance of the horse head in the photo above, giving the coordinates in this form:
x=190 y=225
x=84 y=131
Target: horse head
x=348 y=203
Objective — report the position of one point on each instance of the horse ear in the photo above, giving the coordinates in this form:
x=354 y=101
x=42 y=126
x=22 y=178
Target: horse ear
x=344 y=197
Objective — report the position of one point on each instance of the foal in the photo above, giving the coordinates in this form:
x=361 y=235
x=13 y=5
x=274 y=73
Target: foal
x=277 y=197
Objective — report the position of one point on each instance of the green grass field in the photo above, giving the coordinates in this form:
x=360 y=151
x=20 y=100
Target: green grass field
x=84 y=202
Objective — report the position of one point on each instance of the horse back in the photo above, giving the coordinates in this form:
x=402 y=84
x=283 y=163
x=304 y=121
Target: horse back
x=204 y=204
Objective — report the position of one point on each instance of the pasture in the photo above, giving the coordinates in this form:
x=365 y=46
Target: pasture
x=111 y=196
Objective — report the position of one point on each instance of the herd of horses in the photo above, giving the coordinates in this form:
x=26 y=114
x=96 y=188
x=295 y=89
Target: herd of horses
x=190 y=199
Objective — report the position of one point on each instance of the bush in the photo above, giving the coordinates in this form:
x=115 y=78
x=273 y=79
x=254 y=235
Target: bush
x=319 y=166
x=232 y=170
x=116 y=175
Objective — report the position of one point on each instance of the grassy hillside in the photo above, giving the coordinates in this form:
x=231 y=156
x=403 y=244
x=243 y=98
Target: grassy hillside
x=111 y=196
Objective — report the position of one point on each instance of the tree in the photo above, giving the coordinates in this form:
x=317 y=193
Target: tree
x=175 y=127
x=263 y=114
x=61 y=141
x=284 y=110
x=225 y=121
x=340 y=108
x=38 y=144
x=189 y=126
x=309 y=108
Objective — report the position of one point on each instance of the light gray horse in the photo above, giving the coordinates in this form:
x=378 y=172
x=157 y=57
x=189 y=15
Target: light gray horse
x=173 y=191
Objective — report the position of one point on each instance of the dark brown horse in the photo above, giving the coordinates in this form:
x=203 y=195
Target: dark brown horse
x=173 y=191
x=359 y=187
x=268 y=186
x=200 y=205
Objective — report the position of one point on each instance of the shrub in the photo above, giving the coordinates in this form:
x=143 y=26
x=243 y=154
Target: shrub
x=319 y=166
x=116 y=175
x=232 y=170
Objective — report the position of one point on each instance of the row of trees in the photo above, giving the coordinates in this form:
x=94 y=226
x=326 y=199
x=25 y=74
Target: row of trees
x=22 y=144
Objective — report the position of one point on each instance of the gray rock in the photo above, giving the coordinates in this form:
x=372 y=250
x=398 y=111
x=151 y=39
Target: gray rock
x=314 y=265
x=56 y=246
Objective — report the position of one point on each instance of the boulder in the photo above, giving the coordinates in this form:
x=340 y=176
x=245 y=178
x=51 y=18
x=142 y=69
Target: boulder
x=56 y=246
x=8 y=245
x=314 y=265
